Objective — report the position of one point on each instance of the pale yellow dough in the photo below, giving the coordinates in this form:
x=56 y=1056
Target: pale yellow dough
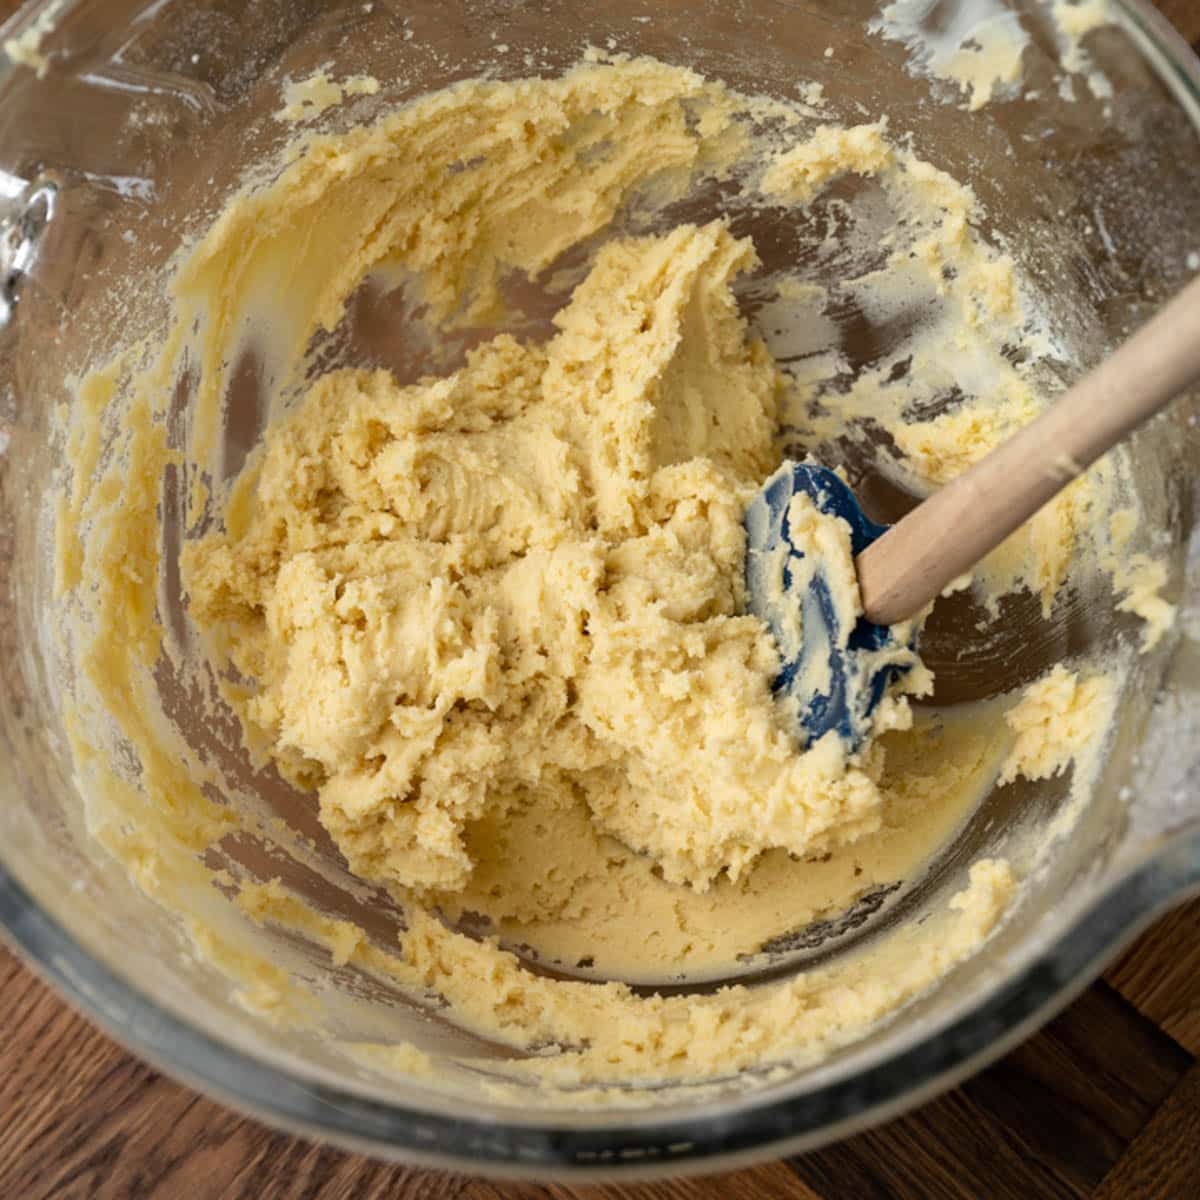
x=495 y=617
x=980 y=45
x=1055 y=725
x=27 y=48
x=528 y=577
x=306 y=99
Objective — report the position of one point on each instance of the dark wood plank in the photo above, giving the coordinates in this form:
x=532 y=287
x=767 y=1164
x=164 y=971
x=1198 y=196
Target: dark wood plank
x=1050 y=1120
x=1185 y=14
x=484 y=1189
x=84 y=1120
x=1160 y=974
x=1164 y=1161
x=772 y=1181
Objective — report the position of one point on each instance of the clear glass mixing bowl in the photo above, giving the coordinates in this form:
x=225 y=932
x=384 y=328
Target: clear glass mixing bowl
x=143 y=124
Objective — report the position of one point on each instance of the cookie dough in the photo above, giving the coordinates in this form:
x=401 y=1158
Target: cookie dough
x=528 y=577
x=490 y=613
x=980 y=45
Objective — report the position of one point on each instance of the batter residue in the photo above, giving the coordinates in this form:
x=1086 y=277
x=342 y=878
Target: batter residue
x=493 y=616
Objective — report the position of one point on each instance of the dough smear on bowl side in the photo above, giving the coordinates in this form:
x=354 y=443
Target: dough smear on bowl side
x=493 y=616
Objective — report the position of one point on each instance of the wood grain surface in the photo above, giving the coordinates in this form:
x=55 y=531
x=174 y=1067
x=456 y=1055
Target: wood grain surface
x=1103 y=1103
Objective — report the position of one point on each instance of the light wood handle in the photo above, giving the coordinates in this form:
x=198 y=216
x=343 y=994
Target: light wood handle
x=949 y=533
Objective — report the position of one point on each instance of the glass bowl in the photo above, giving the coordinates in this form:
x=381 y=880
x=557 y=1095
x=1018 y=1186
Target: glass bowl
x=147 y=116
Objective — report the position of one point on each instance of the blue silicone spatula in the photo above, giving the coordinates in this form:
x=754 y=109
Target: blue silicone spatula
x=903 y=568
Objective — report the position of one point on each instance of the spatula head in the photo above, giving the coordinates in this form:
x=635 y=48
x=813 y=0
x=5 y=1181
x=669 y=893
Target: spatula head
x=843 y=666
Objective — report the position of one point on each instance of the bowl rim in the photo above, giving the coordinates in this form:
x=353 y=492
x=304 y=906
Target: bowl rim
x=746 y=1134
x=753 y=1130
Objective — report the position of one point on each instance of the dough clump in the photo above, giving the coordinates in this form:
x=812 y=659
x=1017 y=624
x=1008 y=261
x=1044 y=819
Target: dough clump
x=488 y=602
x=528 y=575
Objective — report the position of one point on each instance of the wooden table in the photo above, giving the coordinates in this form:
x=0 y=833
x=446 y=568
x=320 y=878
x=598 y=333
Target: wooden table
x=1103 y=1103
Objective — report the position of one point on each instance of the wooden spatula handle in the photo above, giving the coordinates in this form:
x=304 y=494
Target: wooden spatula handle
x=950 y=532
